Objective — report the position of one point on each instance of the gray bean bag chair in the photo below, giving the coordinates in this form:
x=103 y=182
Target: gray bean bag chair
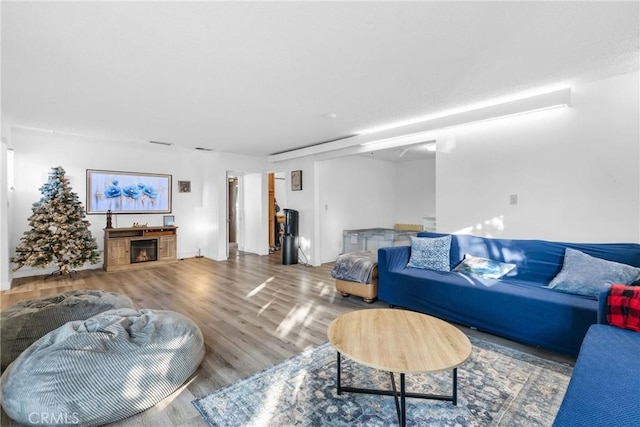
x=26 y=321
x=103 y=369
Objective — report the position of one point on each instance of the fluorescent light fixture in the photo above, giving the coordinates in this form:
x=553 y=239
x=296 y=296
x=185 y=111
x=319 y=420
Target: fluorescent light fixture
x=541 y=102
x=431 y=147
x=502 y=107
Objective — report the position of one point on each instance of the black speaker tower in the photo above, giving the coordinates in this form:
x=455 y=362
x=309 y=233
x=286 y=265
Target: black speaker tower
x=290 y=237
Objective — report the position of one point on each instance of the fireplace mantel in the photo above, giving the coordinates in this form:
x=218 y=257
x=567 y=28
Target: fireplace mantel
x=118 y=247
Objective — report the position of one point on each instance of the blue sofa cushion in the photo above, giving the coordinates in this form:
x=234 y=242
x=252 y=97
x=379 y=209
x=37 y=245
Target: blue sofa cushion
x=430 y=253
x=603 y=390
x=583 y=274
x=483 y=267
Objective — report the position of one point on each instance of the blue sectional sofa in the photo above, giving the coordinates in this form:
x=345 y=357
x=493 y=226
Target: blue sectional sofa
x=517 y=306
x=605 y=385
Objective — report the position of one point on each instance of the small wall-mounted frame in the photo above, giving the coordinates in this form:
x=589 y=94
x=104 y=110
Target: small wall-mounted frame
x=184 y=186
x=296 y=180
x=168 y=220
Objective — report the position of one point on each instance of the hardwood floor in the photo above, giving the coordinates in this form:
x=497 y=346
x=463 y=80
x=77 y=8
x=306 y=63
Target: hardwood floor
x=253 y=312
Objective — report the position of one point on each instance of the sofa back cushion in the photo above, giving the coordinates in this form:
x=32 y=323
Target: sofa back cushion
x=432 y=253
x=585 y=275
x=537 y=261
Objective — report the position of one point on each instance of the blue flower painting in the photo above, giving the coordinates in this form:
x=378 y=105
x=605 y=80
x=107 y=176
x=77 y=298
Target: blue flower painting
x=113 y=191
x=124 y=192
x=131 y=191
x=149 y=191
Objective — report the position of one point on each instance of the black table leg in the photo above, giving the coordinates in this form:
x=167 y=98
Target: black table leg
x=338 y=382
x=454 y=398
x=395 y=397
x=403 y=401
x=401 y=407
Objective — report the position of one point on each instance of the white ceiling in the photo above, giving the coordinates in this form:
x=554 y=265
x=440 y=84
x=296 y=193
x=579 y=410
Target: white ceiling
x=263 y=77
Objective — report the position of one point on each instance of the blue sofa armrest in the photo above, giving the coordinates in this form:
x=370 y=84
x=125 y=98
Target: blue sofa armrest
x=393 y=258
x=602 y=306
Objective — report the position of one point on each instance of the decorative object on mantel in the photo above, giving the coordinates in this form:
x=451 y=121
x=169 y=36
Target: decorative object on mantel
x=59 y=233
x=109 y=225
x=168 y=220
x=296 y=180
x=138 y=225
x=184 y=186
x=498 y=386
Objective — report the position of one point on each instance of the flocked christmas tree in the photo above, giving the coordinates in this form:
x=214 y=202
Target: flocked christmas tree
x=59 y=231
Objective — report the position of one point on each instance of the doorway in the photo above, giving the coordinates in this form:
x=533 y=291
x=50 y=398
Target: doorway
x=276 y=202
x=232 y=213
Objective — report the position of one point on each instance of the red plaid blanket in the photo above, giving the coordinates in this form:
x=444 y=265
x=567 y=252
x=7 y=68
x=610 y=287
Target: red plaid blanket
x=623 y=307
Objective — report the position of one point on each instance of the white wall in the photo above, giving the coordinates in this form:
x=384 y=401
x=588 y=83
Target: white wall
x=254 y=239
x=200 y=215
x=355 y=192
x=576 y=170
x=304 y=202
x=415 y=191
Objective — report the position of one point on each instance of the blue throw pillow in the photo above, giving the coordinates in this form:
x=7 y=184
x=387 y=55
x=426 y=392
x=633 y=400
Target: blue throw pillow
x=583 y=274
x=483 y=267
x=430 y=253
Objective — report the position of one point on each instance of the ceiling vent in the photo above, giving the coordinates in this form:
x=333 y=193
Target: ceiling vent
x=160 y=143
x=203 y=149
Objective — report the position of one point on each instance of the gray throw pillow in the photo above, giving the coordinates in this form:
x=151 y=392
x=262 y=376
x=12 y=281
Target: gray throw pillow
x=583 y=274
x=430 y=253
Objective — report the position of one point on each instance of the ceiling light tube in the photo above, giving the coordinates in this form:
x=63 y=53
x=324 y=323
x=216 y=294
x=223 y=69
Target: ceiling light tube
x=485 y=111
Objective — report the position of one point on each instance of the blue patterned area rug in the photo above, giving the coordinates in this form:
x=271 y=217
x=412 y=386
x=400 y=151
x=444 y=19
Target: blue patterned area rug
x=497 y=386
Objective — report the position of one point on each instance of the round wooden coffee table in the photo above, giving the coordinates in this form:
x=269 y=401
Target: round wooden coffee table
x=399 y=341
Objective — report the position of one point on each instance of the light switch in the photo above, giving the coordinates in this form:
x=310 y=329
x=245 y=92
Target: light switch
x=513 y=199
